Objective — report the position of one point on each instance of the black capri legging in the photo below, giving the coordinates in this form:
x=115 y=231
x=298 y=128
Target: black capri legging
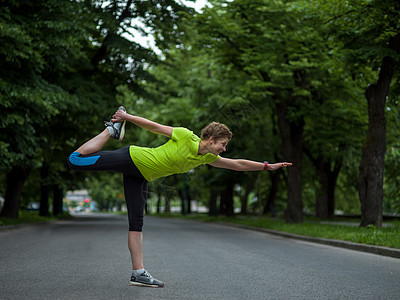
x=135 y=185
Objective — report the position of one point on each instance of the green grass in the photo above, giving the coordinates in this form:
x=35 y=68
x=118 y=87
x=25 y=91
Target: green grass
x=29 y=217
x=385 y=236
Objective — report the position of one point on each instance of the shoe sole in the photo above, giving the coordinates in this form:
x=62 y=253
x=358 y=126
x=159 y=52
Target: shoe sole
x=122 y=134
x=132 y=283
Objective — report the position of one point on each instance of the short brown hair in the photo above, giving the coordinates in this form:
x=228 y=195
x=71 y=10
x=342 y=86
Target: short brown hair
x=216 y=130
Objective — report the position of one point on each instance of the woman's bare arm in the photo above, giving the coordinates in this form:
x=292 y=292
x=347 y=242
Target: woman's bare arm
x=154 y=127
x=246 y=165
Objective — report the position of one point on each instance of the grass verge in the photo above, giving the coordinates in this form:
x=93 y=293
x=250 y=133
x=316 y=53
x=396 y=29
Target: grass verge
x=338 y=229
x=30 y=217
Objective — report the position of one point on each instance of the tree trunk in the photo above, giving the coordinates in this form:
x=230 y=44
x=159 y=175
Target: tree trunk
x=292 y=142
x=213 y=203
x=325 y=202
x=183 y=193
x=44 y=191
x=247 y=190
x=321 y=201
x=158 y=201
x=270 y=204
x=15 y=182
x=58 y=195
x=226 y=203
x=167 y=202
x=370 y=180
x=189 y=203
x=260 y=194
x=331 y=194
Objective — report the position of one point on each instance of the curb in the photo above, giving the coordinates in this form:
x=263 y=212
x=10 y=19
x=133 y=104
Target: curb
x=379 y=250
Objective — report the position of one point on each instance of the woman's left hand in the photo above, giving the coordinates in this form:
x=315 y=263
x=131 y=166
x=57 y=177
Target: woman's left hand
x=273 y=167
x=119 y=116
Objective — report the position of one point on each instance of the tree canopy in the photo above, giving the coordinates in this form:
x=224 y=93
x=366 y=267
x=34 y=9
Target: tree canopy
x=311 y=82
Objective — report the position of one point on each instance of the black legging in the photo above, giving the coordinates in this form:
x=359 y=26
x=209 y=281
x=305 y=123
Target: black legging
x=135 y=185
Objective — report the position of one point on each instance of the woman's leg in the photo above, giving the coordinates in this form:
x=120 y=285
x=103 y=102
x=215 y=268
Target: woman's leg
x=116 y=130
x=116 y=160
x=95 y=144
x=135 y=196
x=135 y=244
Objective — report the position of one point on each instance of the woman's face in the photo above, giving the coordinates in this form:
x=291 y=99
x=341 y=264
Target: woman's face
x=217 y=146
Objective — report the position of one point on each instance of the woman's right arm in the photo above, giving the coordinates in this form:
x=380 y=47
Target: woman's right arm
x=154 y=127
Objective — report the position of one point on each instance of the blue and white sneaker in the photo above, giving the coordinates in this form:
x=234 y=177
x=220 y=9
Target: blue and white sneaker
x=145 y=279
x=116 y=130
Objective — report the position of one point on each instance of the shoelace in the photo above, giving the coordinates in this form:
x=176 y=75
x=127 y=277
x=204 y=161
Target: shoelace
x=146 y=274
x=109 y=123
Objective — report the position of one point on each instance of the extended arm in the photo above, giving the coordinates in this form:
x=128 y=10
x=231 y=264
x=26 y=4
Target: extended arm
x=154 y=127
x=246 y=165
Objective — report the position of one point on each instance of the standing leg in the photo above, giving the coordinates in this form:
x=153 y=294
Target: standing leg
x=135 y=196
x=135 y=243
x=95 y=144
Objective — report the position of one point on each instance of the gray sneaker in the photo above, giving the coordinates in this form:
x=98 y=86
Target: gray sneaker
x=116 y=130
x=145 y=279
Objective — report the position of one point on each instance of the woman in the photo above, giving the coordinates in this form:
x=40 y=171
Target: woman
x=139 y=165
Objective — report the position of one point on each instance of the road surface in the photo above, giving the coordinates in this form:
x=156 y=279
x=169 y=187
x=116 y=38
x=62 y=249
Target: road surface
x=88 y=258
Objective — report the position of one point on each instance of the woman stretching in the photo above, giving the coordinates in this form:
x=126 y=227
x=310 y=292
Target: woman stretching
x=139 y=165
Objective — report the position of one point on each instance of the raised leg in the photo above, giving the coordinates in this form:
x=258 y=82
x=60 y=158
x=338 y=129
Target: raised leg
x=95 y=144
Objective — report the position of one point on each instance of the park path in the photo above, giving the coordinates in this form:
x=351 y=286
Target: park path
x=88 y=258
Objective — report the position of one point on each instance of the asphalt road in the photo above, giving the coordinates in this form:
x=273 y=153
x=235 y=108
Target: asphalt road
x=88 y=258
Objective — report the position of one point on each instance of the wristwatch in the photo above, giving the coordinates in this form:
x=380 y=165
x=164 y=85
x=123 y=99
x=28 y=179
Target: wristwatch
x=265 y=166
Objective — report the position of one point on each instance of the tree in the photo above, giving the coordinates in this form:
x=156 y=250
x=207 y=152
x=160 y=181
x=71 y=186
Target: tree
x=391 y=202
x=368 y=34
x=61 y=60
x=373 y=160
x=278 y=49
x=29 y=98
x=106 y=196
x=333 y=128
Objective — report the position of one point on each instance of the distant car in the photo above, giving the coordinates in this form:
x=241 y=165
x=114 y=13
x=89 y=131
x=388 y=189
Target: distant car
x=33 y=206
x=79 y=209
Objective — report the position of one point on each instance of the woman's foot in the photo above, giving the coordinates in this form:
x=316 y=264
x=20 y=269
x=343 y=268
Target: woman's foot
x=116 y=130
x=145 y=279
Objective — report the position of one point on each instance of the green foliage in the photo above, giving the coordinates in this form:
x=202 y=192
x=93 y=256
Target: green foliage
x=363 y=27
x=391 y=203
x=240 y=55
x=107 y=190
x=67 y=65
x=392 y=181
x=61 y=64
x=29 y=97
